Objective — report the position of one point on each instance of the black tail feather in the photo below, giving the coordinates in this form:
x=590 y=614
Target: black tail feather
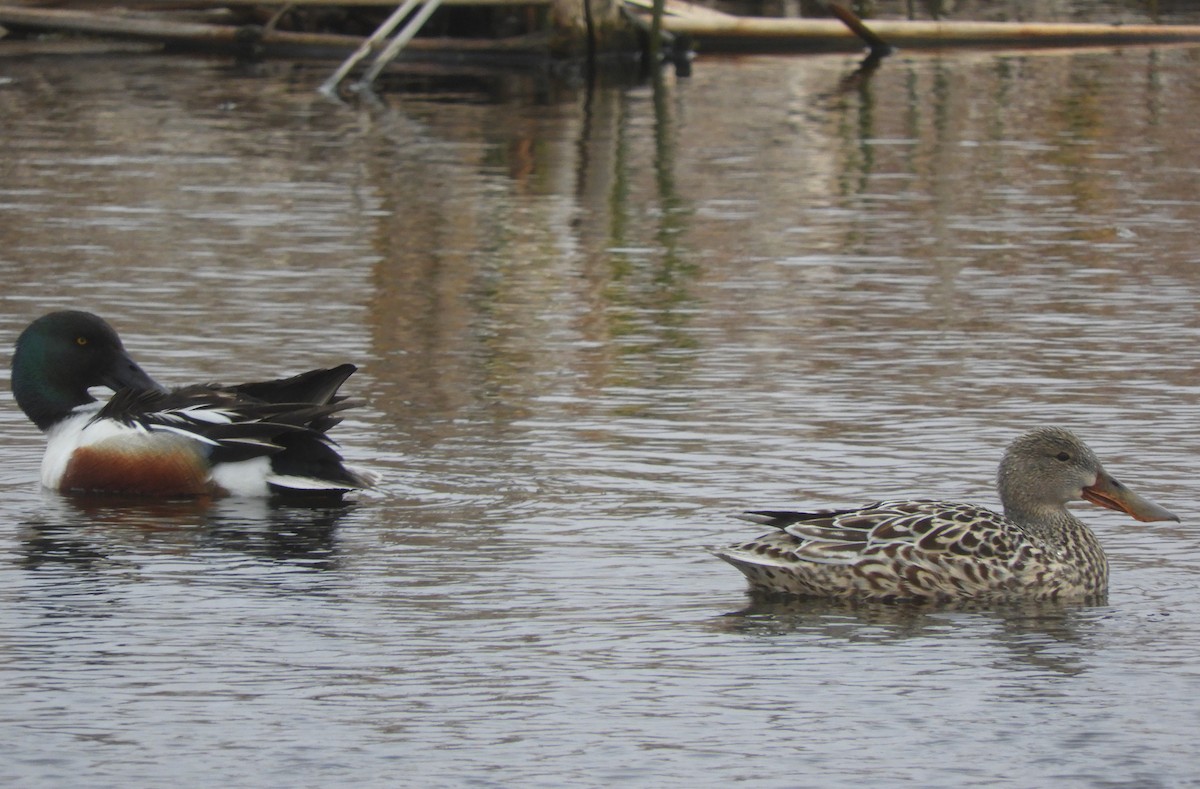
x=315 y=386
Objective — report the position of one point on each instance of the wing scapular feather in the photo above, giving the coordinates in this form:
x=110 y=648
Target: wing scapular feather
x=928 y=526
x=286 y=419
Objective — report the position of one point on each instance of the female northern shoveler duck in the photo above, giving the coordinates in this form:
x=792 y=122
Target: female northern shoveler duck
x=937 y=550
x=256 y=439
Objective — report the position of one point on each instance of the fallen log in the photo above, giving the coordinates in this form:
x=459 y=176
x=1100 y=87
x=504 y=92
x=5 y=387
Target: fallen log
x=756 y=34
x=144 y=27
x=709 y=31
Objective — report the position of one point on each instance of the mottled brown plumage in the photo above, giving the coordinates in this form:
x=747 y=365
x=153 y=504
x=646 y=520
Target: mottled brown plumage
x=937 y=550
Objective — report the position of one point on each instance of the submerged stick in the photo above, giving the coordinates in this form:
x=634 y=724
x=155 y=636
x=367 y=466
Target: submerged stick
x=656 y=28
x=879 y=47
x=398 y=43
x=329 y=86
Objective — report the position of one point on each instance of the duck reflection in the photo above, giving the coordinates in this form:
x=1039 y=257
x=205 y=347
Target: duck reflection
x=98 y=532
x=1031 y=633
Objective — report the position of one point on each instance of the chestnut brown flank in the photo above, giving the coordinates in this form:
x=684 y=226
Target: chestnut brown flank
x=159 y=472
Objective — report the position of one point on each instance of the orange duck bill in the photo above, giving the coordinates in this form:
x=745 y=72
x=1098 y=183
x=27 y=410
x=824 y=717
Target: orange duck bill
x=1109 y=493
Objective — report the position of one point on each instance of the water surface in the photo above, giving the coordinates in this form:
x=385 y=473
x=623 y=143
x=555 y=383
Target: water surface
x=591 y=326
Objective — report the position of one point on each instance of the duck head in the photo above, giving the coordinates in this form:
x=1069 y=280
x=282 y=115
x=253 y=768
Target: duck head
x=63 y=354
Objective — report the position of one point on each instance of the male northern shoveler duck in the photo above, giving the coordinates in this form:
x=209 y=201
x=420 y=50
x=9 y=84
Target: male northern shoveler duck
x=937 y=550
x=256 y=439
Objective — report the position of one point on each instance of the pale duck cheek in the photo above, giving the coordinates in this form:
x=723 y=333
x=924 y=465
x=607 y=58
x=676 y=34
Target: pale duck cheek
x=245 y=478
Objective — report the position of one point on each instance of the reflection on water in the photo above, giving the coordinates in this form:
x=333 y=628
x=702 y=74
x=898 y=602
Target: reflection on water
x=1032 y=634
x=301 y=537
x=590 y=325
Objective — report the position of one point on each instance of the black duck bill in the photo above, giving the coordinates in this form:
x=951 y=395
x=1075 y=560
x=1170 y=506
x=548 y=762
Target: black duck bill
x=1111 y=494
x=125 y=373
